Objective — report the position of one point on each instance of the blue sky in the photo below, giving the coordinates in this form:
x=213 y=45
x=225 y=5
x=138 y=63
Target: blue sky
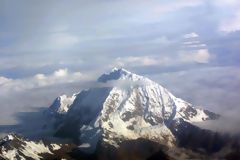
x=51 y=47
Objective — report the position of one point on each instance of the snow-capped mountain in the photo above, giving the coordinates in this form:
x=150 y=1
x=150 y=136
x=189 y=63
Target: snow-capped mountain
x=128 y=107
x=126 y=117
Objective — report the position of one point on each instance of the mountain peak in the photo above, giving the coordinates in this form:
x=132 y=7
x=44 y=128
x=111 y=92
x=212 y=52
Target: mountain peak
x=8 y=137
x=123 y=70
x=61 y=104
x=115 y=74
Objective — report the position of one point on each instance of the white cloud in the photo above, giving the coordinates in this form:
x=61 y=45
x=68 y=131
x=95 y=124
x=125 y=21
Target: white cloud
x=4 y=80
x=183 y=57
x=60 y=28
x=61 y=72
x=230 y=15
x=161 y=40
x=224 y=3
x=176 y=5
x=232 y=24
x=191 y=42
x=136 y=61
x=196 y=45
x=199 y=56
x=60 y=76
x=191 y=35
x=40 y=76
x=62 y=40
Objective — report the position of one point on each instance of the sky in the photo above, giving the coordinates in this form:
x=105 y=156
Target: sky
x=52 y=47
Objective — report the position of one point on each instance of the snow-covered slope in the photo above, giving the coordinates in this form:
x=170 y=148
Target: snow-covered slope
x=129 y=107
x=61 y=104
x=157 y=97
x=13 y=147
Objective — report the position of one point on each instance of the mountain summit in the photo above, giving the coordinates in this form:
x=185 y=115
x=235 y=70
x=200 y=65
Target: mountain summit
x=139 y=109
x=119 y=74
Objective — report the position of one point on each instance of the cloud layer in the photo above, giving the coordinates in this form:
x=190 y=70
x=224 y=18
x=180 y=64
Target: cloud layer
x=39 y=80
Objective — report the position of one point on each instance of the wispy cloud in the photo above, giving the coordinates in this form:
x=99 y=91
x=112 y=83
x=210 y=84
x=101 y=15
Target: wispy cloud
x=194 y=50
x=191 y=35
x=231 y=24
x=62 y=40
x=199 y=56
x=136 y=61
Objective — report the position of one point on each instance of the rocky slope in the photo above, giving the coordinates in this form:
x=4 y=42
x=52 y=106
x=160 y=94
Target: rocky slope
x=15 y=147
